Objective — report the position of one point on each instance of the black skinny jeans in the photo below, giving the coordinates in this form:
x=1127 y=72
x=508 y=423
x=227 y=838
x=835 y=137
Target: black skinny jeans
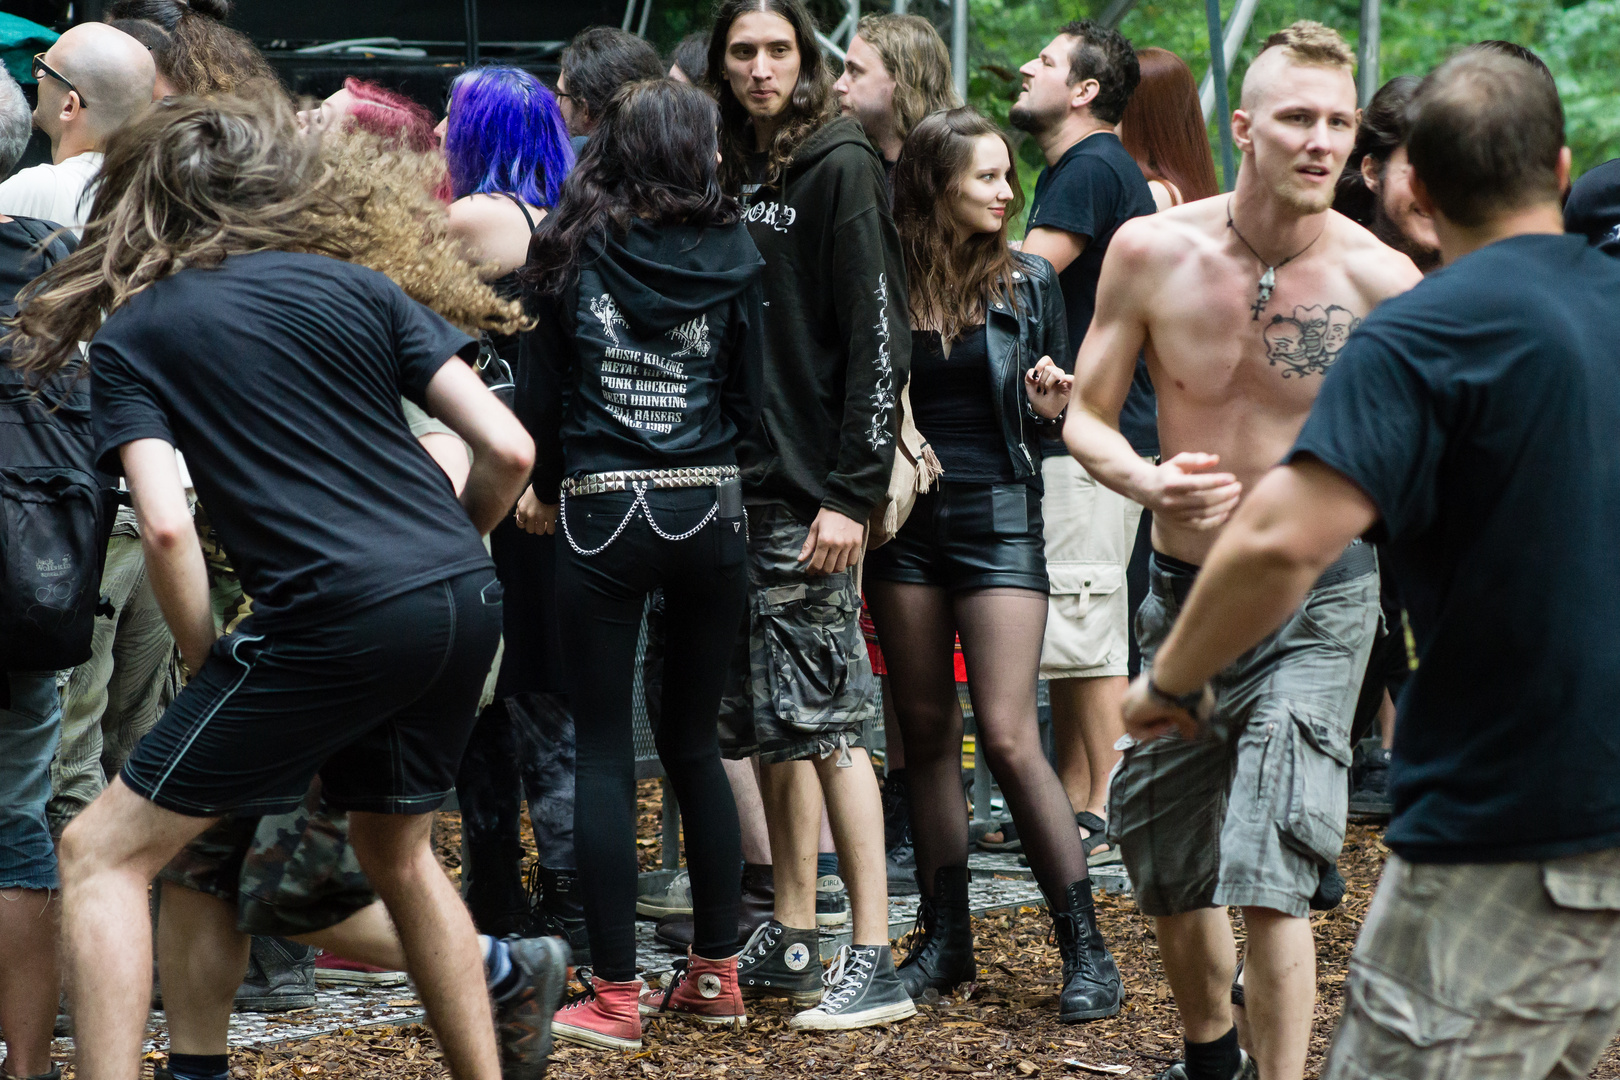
x=600 y=599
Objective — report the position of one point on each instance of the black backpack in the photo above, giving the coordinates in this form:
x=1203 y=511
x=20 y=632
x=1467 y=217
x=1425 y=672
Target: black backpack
x=55 y=518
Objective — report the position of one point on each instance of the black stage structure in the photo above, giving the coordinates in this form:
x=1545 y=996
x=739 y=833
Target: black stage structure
x=417 y=47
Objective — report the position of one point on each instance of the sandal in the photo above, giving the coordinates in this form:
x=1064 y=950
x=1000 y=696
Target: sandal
x=1098 y=828
x=1009 y=839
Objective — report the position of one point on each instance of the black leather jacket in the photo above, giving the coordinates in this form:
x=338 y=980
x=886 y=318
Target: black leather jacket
x=1016 y=340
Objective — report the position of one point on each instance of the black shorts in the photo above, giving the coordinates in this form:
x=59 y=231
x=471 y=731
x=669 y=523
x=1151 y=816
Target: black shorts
x=963 y=536
x=379 y=702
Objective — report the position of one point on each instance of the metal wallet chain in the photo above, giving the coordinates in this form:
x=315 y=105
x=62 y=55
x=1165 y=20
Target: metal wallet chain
x=640 y=503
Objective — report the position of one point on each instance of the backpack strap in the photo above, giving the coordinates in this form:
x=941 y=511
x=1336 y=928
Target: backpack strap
x=41 y=231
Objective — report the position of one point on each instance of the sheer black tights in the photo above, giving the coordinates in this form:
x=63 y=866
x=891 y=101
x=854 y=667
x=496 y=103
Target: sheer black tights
x=1001 y=631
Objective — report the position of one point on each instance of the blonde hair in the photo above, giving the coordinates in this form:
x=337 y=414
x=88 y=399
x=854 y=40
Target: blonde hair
x=916 y=58
x=1310 y=42
x=397 y=227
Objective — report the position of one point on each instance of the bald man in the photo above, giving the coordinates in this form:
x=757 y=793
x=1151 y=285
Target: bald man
x=92 y=82
x=1240 y=303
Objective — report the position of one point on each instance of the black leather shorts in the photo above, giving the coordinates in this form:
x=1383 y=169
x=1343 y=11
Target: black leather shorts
x=963 y=536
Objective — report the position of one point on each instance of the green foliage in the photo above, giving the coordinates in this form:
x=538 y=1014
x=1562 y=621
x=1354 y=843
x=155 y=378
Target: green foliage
x=1579 y=39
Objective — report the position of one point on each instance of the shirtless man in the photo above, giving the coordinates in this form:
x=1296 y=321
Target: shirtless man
x=1241 y=303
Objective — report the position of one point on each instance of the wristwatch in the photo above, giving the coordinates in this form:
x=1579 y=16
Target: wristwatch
x=1200 y=703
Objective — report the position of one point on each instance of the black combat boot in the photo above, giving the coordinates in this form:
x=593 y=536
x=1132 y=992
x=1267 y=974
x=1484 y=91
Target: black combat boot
x=942 y=956
x=559 y=910
x=1091 y=986
x=899 y=853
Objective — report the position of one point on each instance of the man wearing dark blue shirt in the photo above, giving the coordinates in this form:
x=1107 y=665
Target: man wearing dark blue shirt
x=1074 y=94
x=1470 y=425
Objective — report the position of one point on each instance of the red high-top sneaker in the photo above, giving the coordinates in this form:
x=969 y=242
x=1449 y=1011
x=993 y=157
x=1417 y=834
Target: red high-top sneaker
x=705 y=990
x=606 y=1016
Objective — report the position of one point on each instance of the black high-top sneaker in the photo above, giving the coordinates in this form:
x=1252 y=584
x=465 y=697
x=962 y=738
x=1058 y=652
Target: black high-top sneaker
x=1091 y=985
x=280 y=977
x=862 y=990
x=559 y=908
x=899 y=853
x=942 y=955
x=779 y=961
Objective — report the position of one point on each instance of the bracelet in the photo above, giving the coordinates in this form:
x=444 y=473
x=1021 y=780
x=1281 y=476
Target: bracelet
x=1199 y=704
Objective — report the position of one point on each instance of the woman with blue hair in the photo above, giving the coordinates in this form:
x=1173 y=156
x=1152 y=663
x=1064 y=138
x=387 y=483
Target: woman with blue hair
x=508 y=151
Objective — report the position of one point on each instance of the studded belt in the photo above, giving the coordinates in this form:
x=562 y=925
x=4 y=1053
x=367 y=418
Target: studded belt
x=647 y=479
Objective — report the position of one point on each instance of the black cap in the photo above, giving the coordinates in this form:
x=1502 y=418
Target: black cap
x=1593 y=208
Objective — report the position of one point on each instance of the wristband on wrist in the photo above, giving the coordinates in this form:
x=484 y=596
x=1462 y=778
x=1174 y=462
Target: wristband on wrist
x=1199 y=704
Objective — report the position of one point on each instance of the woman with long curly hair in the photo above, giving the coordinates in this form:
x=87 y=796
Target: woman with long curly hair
x=648 y=354
x=970 y=560
x=225 y=322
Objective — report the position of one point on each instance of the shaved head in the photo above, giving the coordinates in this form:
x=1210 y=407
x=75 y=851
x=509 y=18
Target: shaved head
x=113 y=73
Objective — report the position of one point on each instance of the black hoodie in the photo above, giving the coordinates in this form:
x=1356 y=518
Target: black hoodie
x=837 y=333
x=650 y=359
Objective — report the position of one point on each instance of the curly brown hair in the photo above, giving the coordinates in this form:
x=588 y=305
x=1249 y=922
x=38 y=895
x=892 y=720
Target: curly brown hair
x=198 y=179
x=398 y=227
x=950 y=279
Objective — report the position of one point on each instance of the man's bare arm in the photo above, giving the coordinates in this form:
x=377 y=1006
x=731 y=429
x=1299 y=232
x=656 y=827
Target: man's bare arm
x=174 y=558
x=1055 y=246
x=1182 y=488
x=1296 y=522
x=502 y=451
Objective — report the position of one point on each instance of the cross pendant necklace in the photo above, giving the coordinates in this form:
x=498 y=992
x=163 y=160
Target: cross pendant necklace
x=1268 y=280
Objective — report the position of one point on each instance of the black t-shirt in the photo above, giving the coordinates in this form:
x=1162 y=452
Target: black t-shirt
x=1480 y=413
x=1094 y=188
x=954 y=408
x=279 y=376
x=1593 y=207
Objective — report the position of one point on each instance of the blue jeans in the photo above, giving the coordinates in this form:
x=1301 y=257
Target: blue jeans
x=30 y=727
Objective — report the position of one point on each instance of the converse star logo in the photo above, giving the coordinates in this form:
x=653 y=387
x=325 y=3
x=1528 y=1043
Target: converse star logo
x=708 y=985
x=797 y=957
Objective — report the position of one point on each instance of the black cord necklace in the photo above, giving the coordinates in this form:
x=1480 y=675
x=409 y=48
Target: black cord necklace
x=1268 y=280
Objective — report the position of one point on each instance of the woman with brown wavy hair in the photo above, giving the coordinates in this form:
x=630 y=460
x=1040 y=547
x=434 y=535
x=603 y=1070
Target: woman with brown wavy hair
x=1163 y=129
x=970 y=560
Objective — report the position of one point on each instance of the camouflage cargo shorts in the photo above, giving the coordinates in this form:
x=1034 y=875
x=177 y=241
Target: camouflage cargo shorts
x=287 y=874
x=801 y=682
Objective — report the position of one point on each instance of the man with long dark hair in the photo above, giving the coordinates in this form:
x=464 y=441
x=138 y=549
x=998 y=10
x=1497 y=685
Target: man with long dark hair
x=1240 y=304
x=342 y=528
x=836 y=354
x=592 y=68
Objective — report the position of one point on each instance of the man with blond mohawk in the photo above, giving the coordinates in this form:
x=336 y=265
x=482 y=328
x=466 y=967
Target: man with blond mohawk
x=1232 y=300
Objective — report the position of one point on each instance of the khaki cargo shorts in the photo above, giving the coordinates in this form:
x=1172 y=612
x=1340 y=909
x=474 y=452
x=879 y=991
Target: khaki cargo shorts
x=1090 y=533
x=1497 y=971
x=1253 y=813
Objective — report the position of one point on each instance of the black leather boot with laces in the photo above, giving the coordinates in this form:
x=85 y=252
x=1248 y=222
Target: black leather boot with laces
x=941 y=956
x=1091 y=985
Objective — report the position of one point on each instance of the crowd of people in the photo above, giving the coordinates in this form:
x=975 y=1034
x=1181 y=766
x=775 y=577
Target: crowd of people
x=357 y=457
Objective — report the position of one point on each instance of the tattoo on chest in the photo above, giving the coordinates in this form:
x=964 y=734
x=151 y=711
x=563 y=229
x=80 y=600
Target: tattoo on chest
x=1308 y=341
